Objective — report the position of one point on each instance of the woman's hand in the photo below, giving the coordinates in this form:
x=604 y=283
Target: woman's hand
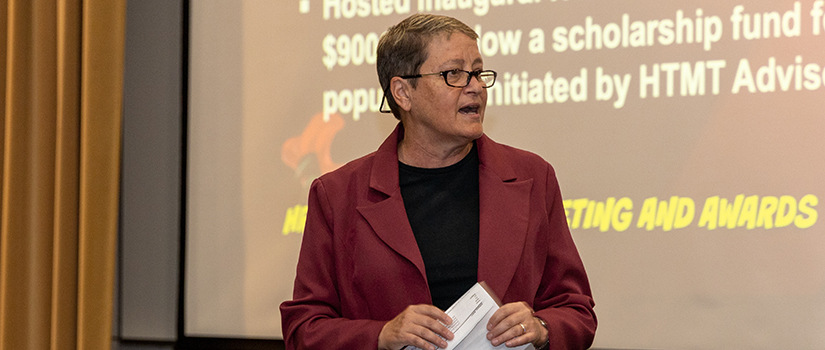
x=514 y=325
x=421 y=326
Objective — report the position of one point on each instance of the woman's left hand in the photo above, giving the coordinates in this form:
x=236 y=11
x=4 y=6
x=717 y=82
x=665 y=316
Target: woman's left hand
x=514 y=325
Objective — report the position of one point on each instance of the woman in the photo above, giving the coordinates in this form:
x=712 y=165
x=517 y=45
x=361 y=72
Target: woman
x=393 y=238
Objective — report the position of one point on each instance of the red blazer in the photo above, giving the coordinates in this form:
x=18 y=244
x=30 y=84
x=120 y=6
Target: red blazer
x=360 y=266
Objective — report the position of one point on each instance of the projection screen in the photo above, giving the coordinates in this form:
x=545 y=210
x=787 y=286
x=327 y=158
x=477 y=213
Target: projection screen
x=687 y=137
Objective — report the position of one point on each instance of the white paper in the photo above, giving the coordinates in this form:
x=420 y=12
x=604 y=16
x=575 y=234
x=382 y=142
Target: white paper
x=470 y=315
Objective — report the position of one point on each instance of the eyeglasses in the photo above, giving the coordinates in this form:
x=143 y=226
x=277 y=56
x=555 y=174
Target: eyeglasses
x=461 y=78
x=454 y=77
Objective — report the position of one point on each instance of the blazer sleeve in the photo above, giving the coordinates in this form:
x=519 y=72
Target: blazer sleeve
x=313 y=318
x=564 y=299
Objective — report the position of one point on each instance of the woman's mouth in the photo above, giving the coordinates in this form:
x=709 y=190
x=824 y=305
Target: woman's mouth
x=470 y=109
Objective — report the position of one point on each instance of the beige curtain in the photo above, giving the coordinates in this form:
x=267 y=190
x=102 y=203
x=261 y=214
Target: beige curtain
x=61 y=77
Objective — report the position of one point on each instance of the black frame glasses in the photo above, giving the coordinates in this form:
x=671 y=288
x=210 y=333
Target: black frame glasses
x=486 y=77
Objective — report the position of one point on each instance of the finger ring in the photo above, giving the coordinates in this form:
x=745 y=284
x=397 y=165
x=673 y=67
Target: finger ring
x=524 y=329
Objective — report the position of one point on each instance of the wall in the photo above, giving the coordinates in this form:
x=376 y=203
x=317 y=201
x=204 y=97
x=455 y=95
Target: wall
x=147 y=297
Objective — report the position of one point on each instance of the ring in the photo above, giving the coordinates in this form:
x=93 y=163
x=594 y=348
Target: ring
x=524 y=329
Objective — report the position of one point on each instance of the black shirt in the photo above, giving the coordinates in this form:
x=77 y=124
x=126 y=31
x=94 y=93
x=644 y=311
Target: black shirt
x=442 y=208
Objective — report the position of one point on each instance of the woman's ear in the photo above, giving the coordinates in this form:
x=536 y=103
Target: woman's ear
x=400 y=90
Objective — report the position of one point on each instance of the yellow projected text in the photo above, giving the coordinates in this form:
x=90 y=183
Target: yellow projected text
x=296 y=218
x=676 y=212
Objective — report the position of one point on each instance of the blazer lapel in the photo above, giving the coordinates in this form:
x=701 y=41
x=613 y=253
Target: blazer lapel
x=504 y=203
x=388 y=217
x=389 y=221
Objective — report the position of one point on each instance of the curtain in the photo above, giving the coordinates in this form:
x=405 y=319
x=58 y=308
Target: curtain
x=61 y=78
